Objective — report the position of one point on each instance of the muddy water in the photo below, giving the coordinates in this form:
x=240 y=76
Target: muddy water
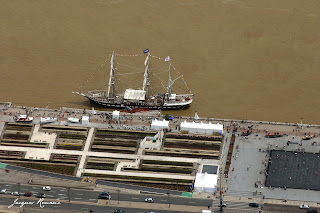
x=254 y=59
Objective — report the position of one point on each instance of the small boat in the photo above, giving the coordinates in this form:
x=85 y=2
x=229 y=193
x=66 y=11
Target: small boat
x=247 y=133
x=275 y=135
x=47 y=120
x=24 y=118
x=307 y=137
x=74 y=120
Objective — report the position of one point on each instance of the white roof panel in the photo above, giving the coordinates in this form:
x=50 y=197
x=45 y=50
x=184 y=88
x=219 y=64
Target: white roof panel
x=163 y=123
x=138 y=95
x=206 y=180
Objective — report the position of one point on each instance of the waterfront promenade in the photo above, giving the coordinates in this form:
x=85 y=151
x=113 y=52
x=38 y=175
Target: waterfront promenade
x=142 y=120
x=246 y=168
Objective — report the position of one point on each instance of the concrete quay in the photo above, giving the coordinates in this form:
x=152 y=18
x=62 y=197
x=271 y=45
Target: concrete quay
x=246 y=167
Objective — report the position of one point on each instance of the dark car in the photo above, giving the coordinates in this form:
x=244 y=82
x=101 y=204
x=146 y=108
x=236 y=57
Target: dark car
x=253 y=204
x=28 y=194
x=312 y=211
x=41 y=195
x=105 y=196
x=105 y=193
x=119 y=211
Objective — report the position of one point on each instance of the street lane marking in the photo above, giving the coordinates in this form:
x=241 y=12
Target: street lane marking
x=79 y=194
x=78 y=198
x=191 y=202
x=163 y=200
x=135 y=198
x=92 y=199
x=62 y=194
x=50 y=196
x=61 y=198
x=24 y=189
x=62 y=190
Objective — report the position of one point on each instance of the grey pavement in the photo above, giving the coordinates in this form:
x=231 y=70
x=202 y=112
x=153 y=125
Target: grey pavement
x=248 y=166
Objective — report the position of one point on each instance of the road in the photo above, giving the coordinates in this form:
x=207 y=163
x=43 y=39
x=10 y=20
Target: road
x=89 y=199
x=60 y=193
x=72 y=207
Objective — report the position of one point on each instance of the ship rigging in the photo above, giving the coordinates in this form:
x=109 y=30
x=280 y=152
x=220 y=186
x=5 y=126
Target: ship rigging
x=139 y=98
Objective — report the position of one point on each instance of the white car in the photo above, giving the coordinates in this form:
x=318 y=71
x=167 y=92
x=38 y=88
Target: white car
x=149 y=200
x=46 y=188
x=3 y=191
x=304 y=206
x=15 y=193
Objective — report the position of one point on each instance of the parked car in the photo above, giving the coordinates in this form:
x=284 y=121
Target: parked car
x=3 y=191
x=15 y=193
x=119 y=211
x=312 y=211
x=28 y=194
x=41 y=195
x=46 y=188
x=304 y=206
x=253 y=204
x=148 y=200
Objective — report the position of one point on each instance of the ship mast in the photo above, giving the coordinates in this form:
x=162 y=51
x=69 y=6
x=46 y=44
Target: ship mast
x=111 y=79
x=146 y=81
x=170 y=82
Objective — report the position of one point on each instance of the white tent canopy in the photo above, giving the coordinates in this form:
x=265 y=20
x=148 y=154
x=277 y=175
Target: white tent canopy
x=115 y=114
x=157 y=125
x=85 y=120
x=201 y=128
x=205 y=182
x=138 y=95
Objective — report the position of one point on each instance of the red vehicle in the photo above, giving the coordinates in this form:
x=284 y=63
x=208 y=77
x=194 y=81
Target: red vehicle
x=28 y=194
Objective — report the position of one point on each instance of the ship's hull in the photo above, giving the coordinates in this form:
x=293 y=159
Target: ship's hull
x=138 y=105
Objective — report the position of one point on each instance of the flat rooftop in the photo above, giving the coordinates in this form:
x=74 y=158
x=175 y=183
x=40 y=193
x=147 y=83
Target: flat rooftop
x=296 y=170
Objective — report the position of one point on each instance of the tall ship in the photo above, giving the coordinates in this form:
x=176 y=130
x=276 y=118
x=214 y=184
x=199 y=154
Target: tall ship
x=139 y=98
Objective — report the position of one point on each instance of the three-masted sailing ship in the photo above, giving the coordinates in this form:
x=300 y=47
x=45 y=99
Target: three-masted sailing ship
x=139 y=98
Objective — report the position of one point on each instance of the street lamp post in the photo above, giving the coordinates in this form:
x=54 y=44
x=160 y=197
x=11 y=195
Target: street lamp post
x=19 y=189
x=221 y=200
x=118 y=194
x=168 y=198
x=69 y=193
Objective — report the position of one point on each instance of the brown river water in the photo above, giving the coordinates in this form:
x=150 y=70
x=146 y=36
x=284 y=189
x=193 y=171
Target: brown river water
x=243 y=59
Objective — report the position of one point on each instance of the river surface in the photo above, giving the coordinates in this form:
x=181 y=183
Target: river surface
x=256 y=59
